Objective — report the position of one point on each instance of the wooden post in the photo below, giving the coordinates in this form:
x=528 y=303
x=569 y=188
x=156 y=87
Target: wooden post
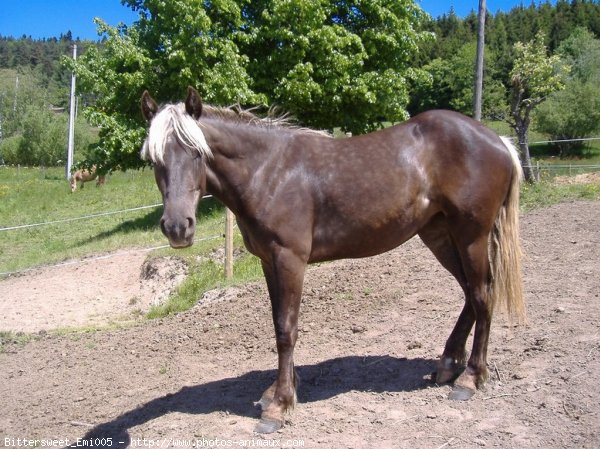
x=229 y=219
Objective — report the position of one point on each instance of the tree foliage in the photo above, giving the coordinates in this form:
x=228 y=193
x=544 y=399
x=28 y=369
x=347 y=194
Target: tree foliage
x=329 y=63
x=333 y=64
x=41 y=60
x=523 y=23
x=451 y=85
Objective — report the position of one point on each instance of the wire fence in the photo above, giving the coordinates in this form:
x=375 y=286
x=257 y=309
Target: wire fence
x=550 y=171
x=564 y=167
x=226 y=235
x=84 y=217
x=584 y=139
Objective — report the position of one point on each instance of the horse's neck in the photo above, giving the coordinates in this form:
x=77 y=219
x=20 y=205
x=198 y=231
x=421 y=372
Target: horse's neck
x=239 y=152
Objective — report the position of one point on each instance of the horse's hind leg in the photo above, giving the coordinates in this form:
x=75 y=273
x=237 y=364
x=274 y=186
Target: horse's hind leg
x=437 y=238
x=476 y=266
x=463 y=251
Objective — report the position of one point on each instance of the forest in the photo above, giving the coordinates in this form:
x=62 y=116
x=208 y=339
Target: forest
x=337 y=67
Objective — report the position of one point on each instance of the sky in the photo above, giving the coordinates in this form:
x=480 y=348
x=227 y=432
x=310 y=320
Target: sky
x=51 y=18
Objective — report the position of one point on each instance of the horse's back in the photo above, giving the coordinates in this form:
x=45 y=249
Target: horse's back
x=388 y=185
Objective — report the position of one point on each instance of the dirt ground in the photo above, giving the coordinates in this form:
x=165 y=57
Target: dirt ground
x=109 y=289
x=370 y=333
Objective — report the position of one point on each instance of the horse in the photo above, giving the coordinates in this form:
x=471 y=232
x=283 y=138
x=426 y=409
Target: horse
x=300 y=197
x=79 y=177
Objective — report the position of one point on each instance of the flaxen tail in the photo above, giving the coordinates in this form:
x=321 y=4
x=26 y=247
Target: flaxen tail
x=507 y=284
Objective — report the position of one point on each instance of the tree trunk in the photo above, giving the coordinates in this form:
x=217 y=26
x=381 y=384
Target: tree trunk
x=525 y=157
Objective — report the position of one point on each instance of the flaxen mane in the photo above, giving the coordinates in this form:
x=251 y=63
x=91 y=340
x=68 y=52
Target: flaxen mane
x=172 y=119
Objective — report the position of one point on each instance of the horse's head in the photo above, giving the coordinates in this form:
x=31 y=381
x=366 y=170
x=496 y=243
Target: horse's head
x=178 y=150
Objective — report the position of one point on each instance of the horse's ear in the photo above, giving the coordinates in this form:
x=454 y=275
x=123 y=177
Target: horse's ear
x=193 y=103
x=149 y=106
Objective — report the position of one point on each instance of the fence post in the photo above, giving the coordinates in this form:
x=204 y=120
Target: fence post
x=229 y=218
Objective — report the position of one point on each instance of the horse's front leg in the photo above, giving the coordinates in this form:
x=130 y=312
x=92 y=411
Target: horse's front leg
x=285 y=276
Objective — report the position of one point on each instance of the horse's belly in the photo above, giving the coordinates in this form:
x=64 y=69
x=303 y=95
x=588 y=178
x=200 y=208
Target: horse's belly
x=353 y=240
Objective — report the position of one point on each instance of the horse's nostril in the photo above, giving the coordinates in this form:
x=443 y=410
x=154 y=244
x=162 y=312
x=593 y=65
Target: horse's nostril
x=190 y=222
x=162 y=226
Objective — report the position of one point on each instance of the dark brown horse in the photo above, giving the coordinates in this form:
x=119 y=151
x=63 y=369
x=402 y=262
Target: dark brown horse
x=300 y=197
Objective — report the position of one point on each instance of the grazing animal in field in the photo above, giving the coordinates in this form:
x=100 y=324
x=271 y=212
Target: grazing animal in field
x=301 y=197
x=83 y=175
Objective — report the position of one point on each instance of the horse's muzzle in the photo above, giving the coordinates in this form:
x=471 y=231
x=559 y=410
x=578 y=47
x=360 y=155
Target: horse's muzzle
x=179 y=232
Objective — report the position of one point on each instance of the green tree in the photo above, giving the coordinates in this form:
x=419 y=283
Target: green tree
x=574 y=113
x=534 y=76
x=330 y=63
x=581 y=50
x=451 y=85
x=44 y=138
x=174 y=44
x=335 y=63
x=32 y=133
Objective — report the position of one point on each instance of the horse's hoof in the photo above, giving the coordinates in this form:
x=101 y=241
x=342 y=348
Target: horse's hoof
x=268 y=425
x=460 y=393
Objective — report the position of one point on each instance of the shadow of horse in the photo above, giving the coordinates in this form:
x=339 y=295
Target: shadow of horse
x=236 y=395
x=145 y=222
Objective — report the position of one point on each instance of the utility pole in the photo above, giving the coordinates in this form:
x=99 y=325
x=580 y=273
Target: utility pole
x=478 y=90
x=71 y=142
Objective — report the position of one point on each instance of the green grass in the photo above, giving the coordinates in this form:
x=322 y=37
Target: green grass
x=545 y=193
x=503 y=129
x=14 y=338
x=30 y=196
